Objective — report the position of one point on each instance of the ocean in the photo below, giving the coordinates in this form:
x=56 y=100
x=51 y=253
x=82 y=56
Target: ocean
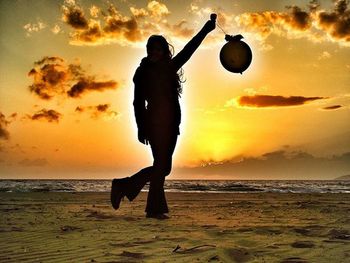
x=210 y=186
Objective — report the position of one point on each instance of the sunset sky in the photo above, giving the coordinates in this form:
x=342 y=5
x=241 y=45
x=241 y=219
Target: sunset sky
x=66 y=87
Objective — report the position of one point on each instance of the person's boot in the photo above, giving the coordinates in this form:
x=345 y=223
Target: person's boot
x=160 y=216
x=118 y=191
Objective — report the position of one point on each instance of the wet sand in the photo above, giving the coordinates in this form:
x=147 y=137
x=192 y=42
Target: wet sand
x=215 y=227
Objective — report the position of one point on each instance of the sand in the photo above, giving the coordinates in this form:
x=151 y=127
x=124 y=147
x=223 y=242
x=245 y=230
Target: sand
x=215 y=227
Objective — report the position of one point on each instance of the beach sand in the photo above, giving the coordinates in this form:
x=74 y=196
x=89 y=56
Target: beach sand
x=204 y=227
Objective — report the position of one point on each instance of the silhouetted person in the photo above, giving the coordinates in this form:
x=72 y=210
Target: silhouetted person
x=158 y=116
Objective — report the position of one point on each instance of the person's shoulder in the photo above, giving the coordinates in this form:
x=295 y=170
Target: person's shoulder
x=139 y=68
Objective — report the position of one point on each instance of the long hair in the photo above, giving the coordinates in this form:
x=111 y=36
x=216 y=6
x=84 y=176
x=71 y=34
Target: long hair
x=169 y=51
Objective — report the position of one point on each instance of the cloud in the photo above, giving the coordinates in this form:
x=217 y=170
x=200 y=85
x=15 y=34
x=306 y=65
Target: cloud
x=56 y=29
x=94 y=11
x=337 y=22
x=12 y=117
x=324 y=55
x=157 y=9
x=281 y=23
x=33 y=27
x=333 y=107
x=119 y=27
x=4 y=134
x=74 y=16
x=34 y=162
x=53 y=76
x=104 y=27
x=47 y=115
x=50 y=75
x=4 y=122
x=273 y=101
x=138 y=12
x=314 y=24
x=86 y=85
x=100 y=110
x=180 y=29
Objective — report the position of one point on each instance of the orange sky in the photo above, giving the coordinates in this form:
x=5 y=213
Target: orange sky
x=294 y=97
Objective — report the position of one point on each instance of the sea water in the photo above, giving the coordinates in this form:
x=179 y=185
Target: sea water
x=223 y=186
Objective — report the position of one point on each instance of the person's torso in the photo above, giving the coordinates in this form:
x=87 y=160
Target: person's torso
x=159 y=84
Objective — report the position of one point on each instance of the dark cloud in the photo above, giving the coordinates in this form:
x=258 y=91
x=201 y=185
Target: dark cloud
x=79 y=109
x=102 y=107
x=50 y=76
x=298 y=18
x=98 y=111
x=118 y=27
x=53 y=76
x=333 y=107
x=268 y=22
x=74 y=16
x=113 y=26
x=336 y=22
x=274 y=101
x=48 y=59
x=86 y=85
x=298 y=22
x=92 y=34
x=4 y=134
x=47 y=115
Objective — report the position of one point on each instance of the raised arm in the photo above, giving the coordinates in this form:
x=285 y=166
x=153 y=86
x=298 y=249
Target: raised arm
x=184 y=55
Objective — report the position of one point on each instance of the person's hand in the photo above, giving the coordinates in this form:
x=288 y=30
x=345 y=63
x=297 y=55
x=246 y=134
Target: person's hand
x=233 y=38
x=210 y=25
x=142 y=137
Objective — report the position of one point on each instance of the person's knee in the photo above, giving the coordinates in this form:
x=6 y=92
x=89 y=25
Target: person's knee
x=163 y=170
x=167 y=170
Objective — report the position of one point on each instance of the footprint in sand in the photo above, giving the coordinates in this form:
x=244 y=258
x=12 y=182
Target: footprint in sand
x=99 y=215
x=239 y=254
x=309 y=231
x=129 y=254
x=294 y=260
x=339 y=234
x=303 y=244
x=69 y=228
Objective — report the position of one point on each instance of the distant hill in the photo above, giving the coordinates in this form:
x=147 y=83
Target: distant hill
x=344 y=177
x=277 y=165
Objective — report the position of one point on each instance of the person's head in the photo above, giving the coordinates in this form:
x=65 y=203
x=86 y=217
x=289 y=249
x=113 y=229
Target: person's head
x=158 y=48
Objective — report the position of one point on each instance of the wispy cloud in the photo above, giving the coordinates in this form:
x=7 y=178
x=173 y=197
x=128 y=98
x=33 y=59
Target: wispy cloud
x=46 y=115
x=259 y=101
x=34 y=27
x=4 y=122
x=100 y=110
x=4 y=134
x=333 y=107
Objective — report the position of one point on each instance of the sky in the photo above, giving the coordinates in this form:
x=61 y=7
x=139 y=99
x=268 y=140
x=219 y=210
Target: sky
x=66 y=89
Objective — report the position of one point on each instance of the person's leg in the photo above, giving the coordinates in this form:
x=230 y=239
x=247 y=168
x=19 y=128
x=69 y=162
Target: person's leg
x=162 y=150
x=137 y=181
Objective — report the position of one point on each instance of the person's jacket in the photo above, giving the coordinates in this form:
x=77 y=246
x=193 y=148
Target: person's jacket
x=156 y=103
